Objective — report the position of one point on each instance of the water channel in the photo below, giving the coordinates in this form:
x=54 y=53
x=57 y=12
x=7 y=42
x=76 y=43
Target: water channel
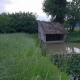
x=66 y=56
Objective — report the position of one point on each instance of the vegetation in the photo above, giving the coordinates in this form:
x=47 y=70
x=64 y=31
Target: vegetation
x=69 y=63
x=73 y=13
x=18 y=22
x=55 y=8
x=73 y=36
x=21 y=59
x=63 y=11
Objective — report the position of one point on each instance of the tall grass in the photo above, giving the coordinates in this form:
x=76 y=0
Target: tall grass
x=21 y=59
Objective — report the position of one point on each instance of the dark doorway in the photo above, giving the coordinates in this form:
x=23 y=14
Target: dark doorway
x=54 y=37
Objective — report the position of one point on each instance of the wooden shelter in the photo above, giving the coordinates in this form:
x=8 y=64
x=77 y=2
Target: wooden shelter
x=51 y=31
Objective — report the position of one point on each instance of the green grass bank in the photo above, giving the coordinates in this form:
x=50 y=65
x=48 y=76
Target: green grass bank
x=21 y=59
x=73 y=36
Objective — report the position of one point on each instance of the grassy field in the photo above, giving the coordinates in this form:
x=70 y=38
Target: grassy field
x=21 y=59
x=74 y=36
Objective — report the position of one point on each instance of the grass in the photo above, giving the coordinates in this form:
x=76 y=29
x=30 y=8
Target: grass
x=74 y=36
x=21 y=59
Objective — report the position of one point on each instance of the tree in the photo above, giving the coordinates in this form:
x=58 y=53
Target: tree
x=55 y=8
x=73 y=13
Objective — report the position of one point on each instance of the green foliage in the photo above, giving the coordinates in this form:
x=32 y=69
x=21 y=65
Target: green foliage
x=5 y=23
x=73 y=13
x=21 y=59
x=55 y=8
x=18 y=22
x=63 y=11
x=69 y=63
x=73 y=36
x=66 y=26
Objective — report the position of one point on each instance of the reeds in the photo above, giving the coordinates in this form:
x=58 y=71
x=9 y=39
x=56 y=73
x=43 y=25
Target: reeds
x=21 y=59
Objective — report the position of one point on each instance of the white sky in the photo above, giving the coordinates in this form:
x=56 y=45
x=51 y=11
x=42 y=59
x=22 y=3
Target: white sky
x=34 y=6
x=25 y=5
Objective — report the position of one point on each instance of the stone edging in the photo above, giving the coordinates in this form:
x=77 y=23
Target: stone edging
x=77 y=41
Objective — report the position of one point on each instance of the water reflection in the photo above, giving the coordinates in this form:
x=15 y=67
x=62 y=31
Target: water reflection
x=66 y=56
x=63 y=48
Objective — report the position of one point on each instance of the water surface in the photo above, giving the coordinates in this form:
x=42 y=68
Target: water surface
x=66 y=56
x=66 y=48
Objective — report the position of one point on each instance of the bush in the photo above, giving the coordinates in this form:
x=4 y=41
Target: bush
x=18 y=22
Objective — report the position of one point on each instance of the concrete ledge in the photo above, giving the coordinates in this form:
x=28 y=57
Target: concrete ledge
x=54 y=42
x=77 y=41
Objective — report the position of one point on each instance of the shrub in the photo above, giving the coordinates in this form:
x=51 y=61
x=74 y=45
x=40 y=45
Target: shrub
x=18 y=22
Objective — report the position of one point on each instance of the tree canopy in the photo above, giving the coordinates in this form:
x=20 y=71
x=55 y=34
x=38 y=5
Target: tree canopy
x=63 y=10
x=55 y=8
x=73 y=13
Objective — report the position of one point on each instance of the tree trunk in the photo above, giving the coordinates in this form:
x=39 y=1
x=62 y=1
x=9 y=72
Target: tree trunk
x=59 y=19
x=72 y=29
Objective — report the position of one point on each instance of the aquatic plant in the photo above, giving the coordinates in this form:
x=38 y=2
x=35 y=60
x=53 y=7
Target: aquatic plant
x=69 y=63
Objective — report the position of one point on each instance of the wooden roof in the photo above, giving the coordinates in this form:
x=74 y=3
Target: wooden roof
x=52 y=27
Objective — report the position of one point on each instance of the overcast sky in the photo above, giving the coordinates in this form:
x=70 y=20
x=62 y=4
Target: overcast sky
x=34 y=6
